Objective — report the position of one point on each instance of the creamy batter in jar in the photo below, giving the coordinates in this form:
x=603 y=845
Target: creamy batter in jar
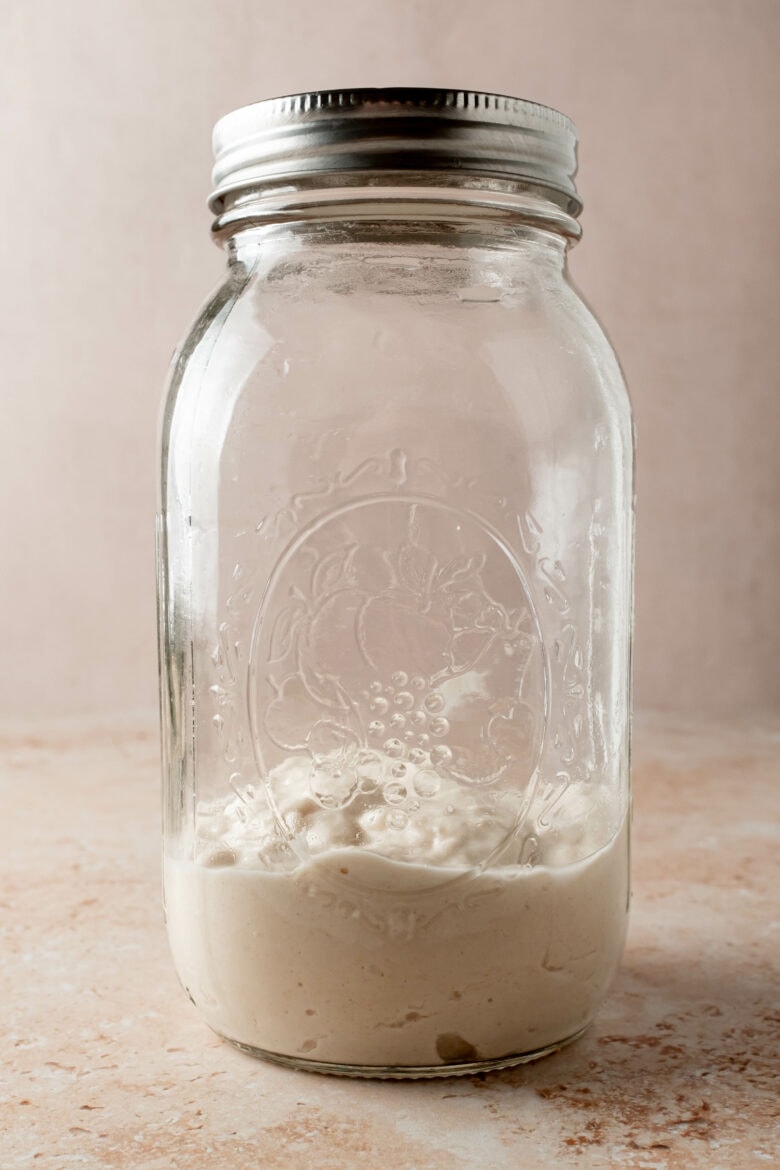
x=357 y=957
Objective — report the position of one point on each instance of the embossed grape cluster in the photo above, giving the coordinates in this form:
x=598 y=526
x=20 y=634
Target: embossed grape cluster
x=407 y=726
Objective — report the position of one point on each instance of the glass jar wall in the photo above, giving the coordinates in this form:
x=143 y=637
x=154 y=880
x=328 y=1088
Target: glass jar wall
x=395 y=566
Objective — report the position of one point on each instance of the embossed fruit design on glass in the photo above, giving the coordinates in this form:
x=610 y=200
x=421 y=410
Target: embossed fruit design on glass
x=395 y=575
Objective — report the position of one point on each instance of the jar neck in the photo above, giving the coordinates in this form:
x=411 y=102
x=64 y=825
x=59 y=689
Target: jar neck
x=476 y=253
x=382 y=208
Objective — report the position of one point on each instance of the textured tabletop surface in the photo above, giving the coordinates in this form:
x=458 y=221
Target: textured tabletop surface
x=106 y=1064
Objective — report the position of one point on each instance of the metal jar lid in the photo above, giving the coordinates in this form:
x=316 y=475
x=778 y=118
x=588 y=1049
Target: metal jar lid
x=308 y=136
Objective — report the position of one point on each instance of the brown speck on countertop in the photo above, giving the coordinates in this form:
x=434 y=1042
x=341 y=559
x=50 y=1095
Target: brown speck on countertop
x=107 y=1066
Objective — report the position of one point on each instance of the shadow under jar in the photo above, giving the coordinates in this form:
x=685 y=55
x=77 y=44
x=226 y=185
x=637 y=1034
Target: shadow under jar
x=395 y=595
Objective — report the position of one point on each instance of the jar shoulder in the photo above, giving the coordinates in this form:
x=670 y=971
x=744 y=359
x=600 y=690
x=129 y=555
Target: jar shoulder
x=190 y=362
x=518 y=345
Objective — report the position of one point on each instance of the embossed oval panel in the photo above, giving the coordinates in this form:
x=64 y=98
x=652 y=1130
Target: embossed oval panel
x=396 y=651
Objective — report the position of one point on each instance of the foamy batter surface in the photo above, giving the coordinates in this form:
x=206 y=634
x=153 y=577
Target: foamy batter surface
x=327 y=943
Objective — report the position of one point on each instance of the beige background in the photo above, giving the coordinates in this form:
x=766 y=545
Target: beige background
x=106 y=108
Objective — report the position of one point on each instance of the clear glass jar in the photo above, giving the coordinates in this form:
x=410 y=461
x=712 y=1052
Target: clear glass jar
x=395 y=581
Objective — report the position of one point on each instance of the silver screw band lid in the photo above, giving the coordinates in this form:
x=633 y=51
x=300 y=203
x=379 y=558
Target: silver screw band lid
x=449 y=131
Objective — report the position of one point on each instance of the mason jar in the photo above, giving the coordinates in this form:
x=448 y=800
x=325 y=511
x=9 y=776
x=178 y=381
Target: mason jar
x=395 y=594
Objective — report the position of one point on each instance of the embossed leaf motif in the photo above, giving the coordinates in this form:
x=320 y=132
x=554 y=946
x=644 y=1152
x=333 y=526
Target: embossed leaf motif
x=288 y=623
x=456 y=573
x=332 y=572
x=416 y=567
x=466 y=647
x=492 y=618
x=464 y=608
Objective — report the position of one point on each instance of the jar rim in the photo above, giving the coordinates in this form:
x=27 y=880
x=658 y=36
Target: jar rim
x=443 y=132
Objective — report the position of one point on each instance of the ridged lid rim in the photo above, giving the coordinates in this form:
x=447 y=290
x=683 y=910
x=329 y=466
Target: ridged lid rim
x=469 y=132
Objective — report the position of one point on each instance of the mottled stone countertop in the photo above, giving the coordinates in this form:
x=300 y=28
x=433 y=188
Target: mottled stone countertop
x=106 y=1064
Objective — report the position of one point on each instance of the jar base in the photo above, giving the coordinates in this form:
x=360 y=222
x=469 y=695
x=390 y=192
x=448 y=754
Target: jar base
x=401 y=1072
